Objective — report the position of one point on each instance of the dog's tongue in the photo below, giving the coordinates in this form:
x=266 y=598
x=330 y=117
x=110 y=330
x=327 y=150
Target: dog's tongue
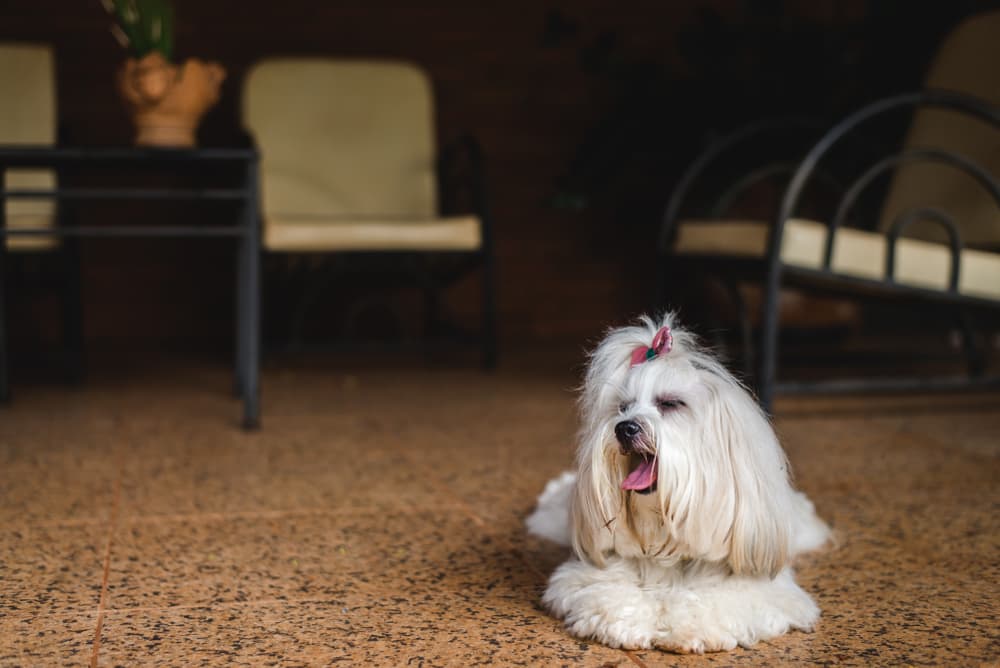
x=642 y=477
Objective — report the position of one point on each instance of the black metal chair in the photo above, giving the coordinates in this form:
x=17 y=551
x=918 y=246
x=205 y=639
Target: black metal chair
x=934 y=241
x=849 y=261
x=350 y=173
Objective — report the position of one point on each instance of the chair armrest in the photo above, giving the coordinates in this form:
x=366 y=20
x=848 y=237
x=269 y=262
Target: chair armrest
x=942 y=220
x=461 y=169
x=959 y=102
x=720 y=147
x=908 y=156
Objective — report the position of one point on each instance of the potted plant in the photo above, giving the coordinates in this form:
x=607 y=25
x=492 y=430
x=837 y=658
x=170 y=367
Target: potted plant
x=166 y=100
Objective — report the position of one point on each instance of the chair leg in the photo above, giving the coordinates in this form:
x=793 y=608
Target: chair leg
x=433 y=323
x=746 y=332
x=746 y=327
x=72 y=311
x=251 y=390
x=316 y=284
x=713 y=325
x=975 y=355
x=489 y=312
x=767 y=353
x=297 y=319
x=248 y=302
x=248 y=345
x=4 y=387
x=239 y=380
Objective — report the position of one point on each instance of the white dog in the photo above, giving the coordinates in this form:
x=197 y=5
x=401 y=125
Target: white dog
x=680 y=513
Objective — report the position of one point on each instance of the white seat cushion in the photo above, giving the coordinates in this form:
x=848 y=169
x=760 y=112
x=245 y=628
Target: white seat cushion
x=318 y=234
x=30 y=213
x=856 y=253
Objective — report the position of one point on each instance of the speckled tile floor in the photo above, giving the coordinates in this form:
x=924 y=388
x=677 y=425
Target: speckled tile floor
x=376 y=520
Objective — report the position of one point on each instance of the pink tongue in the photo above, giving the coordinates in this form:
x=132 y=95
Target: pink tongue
x=643 y=476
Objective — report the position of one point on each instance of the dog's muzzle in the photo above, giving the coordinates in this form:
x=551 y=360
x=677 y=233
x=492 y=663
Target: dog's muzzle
x=628 y=432
x=642 y=462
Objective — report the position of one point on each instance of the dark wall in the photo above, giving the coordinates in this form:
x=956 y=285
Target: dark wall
x=587 y=111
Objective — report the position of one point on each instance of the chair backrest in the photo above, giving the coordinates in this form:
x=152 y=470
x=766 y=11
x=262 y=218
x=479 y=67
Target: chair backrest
x=967 y=62
x=28 y=94
x=342 y=138
x=28 y=116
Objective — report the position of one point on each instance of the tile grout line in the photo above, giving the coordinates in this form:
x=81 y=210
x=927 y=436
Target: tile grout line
x=112 y=527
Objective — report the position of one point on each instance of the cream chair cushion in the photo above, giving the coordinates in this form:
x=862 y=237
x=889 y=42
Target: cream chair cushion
x=964 y=62
x=459 y=233
x=28 y=116
x=856 y=253
x=347 y=157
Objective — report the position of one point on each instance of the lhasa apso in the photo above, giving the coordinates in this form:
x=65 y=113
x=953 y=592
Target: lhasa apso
x=680 y=513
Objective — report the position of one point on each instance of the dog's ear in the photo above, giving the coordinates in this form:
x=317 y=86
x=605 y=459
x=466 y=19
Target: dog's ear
x=585 y=514
x=592 y=509
x=606 y=371
x=597 y=499
x=739 y=435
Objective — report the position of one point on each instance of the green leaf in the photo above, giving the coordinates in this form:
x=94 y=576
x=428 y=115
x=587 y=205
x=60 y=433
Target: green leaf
x=148 y=25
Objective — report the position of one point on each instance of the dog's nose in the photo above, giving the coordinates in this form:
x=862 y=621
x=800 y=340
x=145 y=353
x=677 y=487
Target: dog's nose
x=627 y=431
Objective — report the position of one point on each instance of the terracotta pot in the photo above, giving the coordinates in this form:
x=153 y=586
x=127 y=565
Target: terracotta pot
x=167 y=101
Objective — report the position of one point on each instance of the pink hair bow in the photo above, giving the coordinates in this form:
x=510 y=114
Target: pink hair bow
x=662 y=343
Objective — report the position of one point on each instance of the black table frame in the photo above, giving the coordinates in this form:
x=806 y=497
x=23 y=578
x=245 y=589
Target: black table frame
x=246 y=232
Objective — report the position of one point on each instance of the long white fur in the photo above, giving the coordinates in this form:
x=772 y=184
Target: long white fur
x=702 y=563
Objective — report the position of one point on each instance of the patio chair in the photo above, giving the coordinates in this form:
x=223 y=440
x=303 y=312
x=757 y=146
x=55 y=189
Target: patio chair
x=349 y=169
x=28 y=116
x=935 y=241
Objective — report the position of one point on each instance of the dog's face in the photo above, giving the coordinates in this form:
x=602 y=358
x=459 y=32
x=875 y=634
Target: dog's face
x=676 y=460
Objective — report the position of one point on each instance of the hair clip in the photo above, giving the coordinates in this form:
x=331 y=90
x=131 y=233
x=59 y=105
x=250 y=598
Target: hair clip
x=662 y=343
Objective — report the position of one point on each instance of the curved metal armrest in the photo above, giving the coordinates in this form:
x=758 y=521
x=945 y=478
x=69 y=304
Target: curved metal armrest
x=718 y=148
x=914 y=155
x=960 y=102
x=943 y=220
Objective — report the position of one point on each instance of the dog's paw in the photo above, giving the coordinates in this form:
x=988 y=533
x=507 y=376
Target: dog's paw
x=691 y=641
x=620 y=634
x=625 y=627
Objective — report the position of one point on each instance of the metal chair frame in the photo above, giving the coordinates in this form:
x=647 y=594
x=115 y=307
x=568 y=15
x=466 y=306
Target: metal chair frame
x=776 y=273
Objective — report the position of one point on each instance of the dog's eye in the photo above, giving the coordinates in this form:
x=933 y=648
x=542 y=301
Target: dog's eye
x=623 y=406
x=669 y=403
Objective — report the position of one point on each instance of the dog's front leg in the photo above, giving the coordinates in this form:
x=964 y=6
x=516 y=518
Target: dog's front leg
x=603 y=604
x=710 y=614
